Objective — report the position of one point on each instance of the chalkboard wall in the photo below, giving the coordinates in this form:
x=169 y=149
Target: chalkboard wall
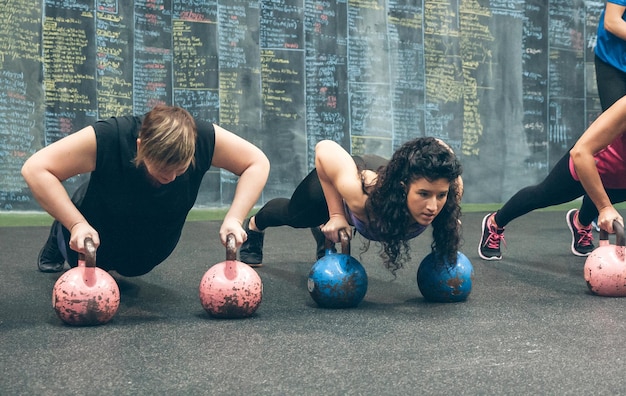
x=509 y=84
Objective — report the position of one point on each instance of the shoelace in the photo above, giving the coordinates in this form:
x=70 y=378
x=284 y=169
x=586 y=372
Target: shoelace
x=494 y=239
x=584 y=236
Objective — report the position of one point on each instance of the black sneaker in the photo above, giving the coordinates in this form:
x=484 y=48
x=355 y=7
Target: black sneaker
x=492 y=237
x=50 y=258
x=595 y=225
x=582 y=238
x=251 y=252
x=320 y=240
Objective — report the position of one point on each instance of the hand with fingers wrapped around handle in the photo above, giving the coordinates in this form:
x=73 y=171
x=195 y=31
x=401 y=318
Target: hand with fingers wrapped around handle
x=80 y=232
x=607 y=216
x=334 y=226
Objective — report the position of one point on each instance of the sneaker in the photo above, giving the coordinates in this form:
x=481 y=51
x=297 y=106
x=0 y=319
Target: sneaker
x=320 y=240
x=492 y=236
x=50 y=258
x=251 y=252
x=582 y=238
x=595 y=225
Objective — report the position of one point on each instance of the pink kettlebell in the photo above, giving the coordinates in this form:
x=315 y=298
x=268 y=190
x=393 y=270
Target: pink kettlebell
x=231 y=289
x=86 y=295
x=605 y=267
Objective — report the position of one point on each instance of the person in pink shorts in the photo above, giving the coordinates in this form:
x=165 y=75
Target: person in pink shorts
x=595 y=166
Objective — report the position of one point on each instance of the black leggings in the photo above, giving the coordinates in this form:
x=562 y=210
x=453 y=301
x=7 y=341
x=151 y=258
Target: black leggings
x=557 y=188
x=306 y=208
x=611 y=83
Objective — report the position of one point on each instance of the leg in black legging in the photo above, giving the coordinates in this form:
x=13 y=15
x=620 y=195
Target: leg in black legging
x=306 y=208
x=557 y=188
x=588 y=210
x=611 y=83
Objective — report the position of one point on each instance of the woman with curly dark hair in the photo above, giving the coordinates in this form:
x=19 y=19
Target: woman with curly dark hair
x=389 y=202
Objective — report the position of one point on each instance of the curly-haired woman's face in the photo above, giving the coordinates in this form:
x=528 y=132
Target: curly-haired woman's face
x=425 y=199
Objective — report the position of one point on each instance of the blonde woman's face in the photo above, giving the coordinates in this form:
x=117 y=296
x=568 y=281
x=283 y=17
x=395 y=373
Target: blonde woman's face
x=164 y=175
x=425 y=199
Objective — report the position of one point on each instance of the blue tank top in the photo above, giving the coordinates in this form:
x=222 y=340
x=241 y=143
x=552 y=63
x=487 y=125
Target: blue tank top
x=610 y=48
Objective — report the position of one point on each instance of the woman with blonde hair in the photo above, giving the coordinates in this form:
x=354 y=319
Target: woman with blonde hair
x=145 y=173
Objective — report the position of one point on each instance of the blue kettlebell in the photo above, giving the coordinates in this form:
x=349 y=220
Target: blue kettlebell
x=337 y=280
x=438 y=281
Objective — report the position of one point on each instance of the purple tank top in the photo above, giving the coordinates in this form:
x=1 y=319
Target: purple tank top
x=364 y=228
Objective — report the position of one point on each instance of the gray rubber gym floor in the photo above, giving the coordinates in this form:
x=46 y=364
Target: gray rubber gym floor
x=530 y=326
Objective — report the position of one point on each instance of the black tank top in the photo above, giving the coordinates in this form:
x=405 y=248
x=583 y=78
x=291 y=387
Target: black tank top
x=139 y=223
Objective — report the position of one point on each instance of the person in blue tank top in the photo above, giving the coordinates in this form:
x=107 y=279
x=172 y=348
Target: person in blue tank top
x=389 y=202
x=145 y=174
x=610 y=53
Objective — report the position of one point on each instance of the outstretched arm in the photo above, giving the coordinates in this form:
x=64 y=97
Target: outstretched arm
x=341 y=182
x=608 y=126
x=247 y=161
x=613 y=21
x=46 y=169
x=459 y=180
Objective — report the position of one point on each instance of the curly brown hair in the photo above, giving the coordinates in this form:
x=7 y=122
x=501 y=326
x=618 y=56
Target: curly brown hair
x=387 y=208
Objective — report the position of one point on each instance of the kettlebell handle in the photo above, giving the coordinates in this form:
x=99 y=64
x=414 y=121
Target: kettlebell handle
x=620 y=240
x=231 y=248
x=90 y=257
x=345 y=242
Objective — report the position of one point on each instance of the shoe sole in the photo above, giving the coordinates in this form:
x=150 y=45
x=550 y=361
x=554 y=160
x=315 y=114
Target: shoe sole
x=259 y=265
x=50 y=267
x=571 y=230
x=492 y=258
x=52 y=270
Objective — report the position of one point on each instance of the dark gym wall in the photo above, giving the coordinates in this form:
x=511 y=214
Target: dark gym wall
x=508 y=84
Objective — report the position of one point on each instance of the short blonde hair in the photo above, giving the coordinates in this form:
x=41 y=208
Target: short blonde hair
x=168 y=137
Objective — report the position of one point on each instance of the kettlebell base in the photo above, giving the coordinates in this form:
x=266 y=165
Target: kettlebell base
x=440 y=282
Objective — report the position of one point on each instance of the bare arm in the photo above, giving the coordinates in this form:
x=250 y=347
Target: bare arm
x=607 y=127
x=340 y=181
x=459 y=180
x=247 y=161
x=46 y=169
x=613 y=21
